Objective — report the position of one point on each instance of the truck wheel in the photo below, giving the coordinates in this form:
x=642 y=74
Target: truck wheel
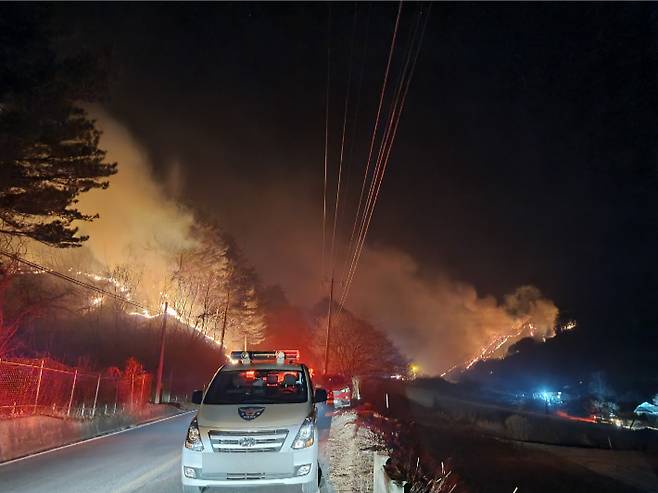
x=319 y=475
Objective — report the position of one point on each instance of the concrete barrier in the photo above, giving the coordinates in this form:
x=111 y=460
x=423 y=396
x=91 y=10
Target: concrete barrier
x=380 y=480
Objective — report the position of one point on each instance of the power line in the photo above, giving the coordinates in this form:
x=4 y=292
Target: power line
x=72 y=280
x=378 y=174
x=373 y=138
x=355 y=131
x=326 y=147
x=355 y=127
x=338 y=187
x=388 y=129
x=386 y=145
x=342 y=148
x=376 y=125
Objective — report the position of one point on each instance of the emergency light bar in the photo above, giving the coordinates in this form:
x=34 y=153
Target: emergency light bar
x=290 y=356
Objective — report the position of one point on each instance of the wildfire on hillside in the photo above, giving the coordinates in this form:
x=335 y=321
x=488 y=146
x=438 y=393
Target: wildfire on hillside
x=497 y=347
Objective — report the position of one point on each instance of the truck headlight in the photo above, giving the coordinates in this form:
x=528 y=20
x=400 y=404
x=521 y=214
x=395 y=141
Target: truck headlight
x=193 y=439
x=306 y=434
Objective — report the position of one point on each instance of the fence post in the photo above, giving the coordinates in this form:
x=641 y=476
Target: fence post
x=75 y=377
x=141 y=391
x=116 y=396
x=132 y=388
x=36 y=398
x=98 y=385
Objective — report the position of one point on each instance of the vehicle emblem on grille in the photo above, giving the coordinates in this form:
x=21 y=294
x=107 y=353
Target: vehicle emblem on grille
x=249 y=413
x=247 y=442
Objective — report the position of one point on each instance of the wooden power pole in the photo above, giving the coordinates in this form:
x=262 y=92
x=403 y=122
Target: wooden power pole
x=158 y=381
x=224 y=321
x=326 y=346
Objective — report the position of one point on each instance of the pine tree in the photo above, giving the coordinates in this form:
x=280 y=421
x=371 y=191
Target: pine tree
x=48 y=146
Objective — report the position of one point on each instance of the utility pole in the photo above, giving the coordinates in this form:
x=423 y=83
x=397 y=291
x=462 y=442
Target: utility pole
x=228 y=301
x=158 y=382
x=326 y=346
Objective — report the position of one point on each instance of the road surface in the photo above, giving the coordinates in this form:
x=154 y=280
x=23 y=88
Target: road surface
x=144 y=459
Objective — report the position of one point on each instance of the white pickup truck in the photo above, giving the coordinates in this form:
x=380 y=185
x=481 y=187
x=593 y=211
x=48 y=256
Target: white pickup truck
x=255 y=427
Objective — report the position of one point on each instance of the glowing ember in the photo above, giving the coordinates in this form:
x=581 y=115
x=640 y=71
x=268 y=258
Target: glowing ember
x=96 y=300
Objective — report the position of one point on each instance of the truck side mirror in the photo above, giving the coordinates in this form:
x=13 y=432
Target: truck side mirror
x=197 y=397
x=320 y=395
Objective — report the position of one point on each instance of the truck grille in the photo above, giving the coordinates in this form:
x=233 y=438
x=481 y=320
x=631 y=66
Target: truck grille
x=247 y=441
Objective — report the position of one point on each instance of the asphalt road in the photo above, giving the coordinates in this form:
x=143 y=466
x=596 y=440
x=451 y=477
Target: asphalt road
x=144 y=459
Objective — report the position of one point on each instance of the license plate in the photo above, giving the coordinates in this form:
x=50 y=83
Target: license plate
x=263 y=462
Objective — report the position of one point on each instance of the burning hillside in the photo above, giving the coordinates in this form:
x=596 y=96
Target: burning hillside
x=148 y=248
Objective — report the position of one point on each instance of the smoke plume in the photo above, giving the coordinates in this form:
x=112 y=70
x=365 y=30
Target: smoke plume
x=442 y=322
x=140 y=227
x=437 y=323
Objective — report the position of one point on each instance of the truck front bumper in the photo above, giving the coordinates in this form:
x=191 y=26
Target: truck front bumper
x=251 y=470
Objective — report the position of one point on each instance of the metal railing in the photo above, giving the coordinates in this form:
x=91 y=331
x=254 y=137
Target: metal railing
x=47 y=387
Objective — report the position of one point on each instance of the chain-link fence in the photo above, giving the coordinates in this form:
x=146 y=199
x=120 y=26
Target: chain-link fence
x=45 y=386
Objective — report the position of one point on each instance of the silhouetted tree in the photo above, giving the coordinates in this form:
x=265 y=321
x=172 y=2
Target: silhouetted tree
x=48 y=147
x=356 y=348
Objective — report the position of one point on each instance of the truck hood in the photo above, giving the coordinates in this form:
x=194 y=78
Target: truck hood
x=227 y=416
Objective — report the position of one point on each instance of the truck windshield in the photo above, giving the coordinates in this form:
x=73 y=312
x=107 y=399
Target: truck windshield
x=264 y=386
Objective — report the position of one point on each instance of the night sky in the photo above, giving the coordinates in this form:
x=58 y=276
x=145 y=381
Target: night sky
x=526 y=153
